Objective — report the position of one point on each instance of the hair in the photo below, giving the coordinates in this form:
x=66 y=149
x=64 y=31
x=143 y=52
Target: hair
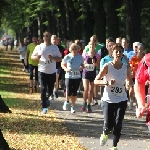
x=117 y=45
x=73 y=46
x=94 y=36
x=53 y=36
x=110 y=39
x=125 y=39
x=46 y=32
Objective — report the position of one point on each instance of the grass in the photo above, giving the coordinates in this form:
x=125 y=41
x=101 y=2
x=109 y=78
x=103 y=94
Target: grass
x=26 y=128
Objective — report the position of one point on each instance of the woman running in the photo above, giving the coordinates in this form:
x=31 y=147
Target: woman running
x=72 y=64
x=91 y=60
x=114 y=97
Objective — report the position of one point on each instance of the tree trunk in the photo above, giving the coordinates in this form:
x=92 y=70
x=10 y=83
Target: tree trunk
x=112 y=18
x=133 y=20
x=100 y=17
x=35 y=27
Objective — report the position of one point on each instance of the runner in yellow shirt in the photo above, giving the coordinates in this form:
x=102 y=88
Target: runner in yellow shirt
x=33 y=64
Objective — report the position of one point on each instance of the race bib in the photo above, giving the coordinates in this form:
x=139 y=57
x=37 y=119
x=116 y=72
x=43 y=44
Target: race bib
x=90 y=67
x=117 y=90
x=76 y=73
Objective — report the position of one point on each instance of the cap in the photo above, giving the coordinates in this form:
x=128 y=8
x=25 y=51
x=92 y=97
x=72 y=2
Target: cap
x=136 y=44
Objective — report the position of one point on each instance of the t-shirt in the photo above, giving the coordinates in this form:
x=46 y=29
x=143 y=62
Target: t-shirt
x=73 y=63
x=45 y=65
x=97 y=48
x=108 y=58
x=134 y=64
x=22 y=51
x=90 y=69
x=30 y=49
x=127 y=51
x=130 y=55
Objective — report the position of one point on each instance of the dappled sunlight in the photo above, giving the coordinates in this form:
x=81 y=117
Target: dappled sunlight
x=26 y=128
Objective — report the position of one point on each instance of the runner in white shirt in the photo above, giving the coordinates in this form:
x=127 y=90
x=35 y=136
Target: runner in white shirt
x=114 y=97
x=47 y=54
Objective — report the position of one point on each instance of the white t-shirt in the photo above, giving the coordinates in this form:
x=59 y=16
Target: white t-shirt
x=116 y=92
x=45 y=65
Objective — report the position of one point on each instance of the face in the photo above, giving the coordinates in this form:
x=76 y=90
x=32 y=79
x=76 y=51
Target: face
x=117 y=53
x=92 y=46
x=75 y=50
x=110 y=46
x=118 y=40
x=54 y=40
x=124 y=43
x=46 y=37
x=140 y=50
x=34 y=40
x=135 y=48
x=93 y=40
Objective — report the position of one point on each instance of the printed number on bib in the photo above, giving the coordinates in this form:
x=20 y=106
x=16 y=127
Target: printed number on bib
x=90 y=67
x=117 y=90
x=76 y=74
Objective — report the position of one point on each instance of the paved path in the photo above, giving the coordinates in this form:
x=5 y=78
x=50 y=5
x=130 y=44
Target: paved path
x=88 y=127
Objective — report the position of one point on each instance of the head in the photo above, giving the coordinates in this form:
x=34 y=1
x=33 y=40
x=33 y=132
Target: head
x=34 y=39
x=110 y=47
x=21 y=43
x=135 y=46
x=92 y=46
x=94 y=39
x=140 y=50
x=78 y=43
x=25 y=40
x=74 y=48
x=118 y=40
x=117 y=51
x=58 y=41
x=68 y=44
x=125 y=43
x=65 y=39
x=46 y=37
x=110 y=39
x=40 y=41
x=54 y=39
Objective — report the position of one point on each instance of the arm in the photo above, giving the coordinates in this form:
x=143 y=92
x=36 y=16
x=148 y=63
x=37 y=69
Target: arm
x=35 y=55
x=26 y=56
x=64 y=66
x=129 y=78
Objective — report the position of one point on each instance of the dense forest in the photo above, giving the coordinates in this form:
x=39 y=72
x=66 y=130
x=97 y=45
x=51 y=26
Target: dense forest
x=78 y=19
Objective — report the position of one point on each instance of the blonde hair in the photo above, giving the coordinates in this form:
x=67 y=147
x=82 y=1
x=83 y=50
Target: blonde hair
x=74 y=46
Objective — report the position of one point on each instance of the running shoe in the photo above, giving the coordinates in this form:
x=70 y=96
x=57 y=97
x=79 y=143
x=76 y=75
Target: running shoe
x=113 y=148
x=66 y=105
x=84 y=106
x=94 y=102
x=44 y=111
x=103 y=139
x=89 y=110
x=51 y=97
x=72 y=109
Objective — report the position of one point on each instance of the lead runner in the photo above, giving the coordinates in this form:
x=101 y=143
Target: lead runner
x=114 y=97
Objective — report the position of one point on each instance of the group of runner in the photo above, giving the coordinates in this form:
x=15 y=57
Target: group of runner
x=110 y=67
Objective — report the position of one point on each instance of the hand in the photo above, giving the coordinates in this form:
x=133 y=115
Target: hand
x=140 y=111
x=111 y=82
x=93 y=61
x=80 y=68
x=50 y=57
x=67 y=70
x=38 y=57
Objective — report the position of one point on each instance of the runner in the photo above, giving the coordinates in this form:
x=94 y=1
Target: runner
x=47 y=54
x=33 y=64
x=119 y=40
x=22 y=52
x=91 y=60
x=54 y=41
x=114 y=97
x=72 y=64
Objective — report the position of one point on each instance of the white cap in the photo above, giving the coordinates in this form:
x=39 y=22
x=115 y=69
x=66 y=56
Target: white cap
x=136 y=44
